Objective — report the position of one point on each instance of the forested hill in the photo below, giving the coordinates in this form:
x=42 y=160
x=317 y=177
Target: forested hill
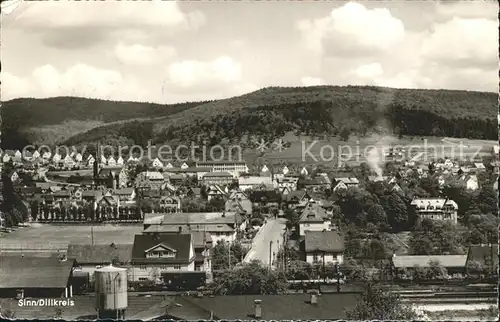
x=54 y=119
x=321 y=110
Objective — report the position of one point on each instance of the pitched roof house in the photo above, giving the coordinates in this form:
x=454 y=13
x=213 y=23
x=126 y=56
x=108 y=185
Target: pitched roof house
x=324 y=247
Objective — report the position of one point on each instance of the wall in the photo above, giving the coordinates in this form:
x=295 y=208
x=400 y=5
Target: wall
x=329 y=258
x=313 y=227
x=136 y=272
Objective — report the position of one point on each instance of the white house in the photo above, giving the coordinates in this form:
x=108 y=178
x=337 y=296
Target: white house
x=111 y=161
x=69 y=162
x=119 y=161
x=154 y=254
x=184 y=166
x=290 y=183
x=90 y=161
x=264 y=168
x=78 y=157
x=157 y=163
x=304 y=171
x=57 y=158
x=169 y=166
x=36 y=154
x=471 y=182
x=436 y=209
x=253 y=182
x=285 y=170
x=103 y=159
x=324 y=247
x=313 y=218
x=46 y=155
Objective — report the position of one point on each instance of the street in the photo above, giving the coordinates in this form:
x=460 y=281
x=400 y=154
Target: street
x=272 y=231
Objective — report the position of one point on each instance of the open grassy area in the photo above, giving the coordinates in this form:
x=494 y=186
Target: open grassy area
x=58 y=237
x=355 y=150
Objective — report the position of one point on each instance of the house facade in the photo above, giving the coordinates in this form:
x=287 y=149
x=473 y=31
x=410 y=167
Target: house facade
x=219 y=178
x=436 y=209
x=235 y=168
x=154 y=254
x=324 y=247
x=313 y=218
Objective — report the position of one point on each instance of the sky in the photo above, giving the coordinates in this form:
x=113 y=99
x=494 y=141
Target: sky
x=168 y=52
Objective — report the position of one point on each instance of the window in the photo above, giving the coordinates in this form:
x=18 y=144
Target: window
x=315 y=257
x=177 y=267
x=143 y=267
x=143 y=279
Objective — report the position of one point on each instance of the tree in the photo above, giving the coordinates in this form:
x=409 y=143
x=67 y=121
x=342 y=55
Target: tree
x=292 y=218
x=299 y=270
x=396 y=210
x=344 y=134
x=225 y=256
x=251 y=278
x=378 y=304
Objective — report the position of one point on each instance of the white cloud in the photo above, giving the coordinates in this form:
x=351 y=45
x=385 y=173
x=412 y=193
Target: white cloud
x=123 y=14
x=312 y=81
x=353 y=30
x=137 y=54
x=468 y=9
x=193 y=73
x=372 y=70
x=79 y=80
x=465 y=42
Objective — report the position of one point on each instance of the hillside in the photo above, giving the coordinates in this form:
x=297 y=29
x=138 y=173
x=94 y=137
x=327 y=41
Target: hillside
x=55 y=119
x=319 y=110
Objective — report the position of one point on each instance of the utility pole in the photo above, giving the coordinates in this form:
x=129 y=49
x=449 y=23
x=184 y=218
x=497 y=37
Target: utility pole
x=270 y=255
x=229 y=254
x=92 y=233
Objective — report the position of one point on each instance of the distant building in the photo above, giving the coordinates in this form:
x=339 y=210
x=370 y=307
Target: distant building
x=313 y=218
x=253 y=182
x=454 y=264
x=155 y=254
x=344 y=183
x=233 y=167
x=35 y=277
x=287 y=182
x=436 y=209
x=324 y=247
x=89 y=257
x=149 y=180
x=220 y=225
x=220 y=178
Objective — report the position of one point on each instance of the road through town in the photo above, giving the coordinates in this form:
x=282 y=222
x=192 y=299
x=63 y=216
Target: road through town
x=272 y=231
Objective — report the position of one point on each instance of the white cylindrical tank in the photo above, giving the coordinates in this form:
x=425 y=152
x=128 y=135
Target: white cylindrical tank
x=111 y=288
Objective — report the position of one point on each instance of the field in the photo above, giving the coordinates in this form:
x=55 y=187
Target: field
x=44 y=237
x=334 y=151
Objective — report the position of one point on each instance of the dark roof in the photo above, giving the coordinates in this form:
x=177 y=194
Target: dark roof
x=274 y=307
x=123 y=191
x=34 y=272
x=294 y=195
x=319 y=180
x=267 y=195
x=179 y=242
x=105 y=172
x=327 y=241
x=217 y=174
x=313 y=213
x=87 y=253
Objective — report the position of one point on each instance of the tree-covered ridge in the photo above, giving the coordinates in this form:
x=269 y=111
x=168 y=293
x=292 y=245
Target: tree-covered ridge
x=50 y=119
x=270 y=112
